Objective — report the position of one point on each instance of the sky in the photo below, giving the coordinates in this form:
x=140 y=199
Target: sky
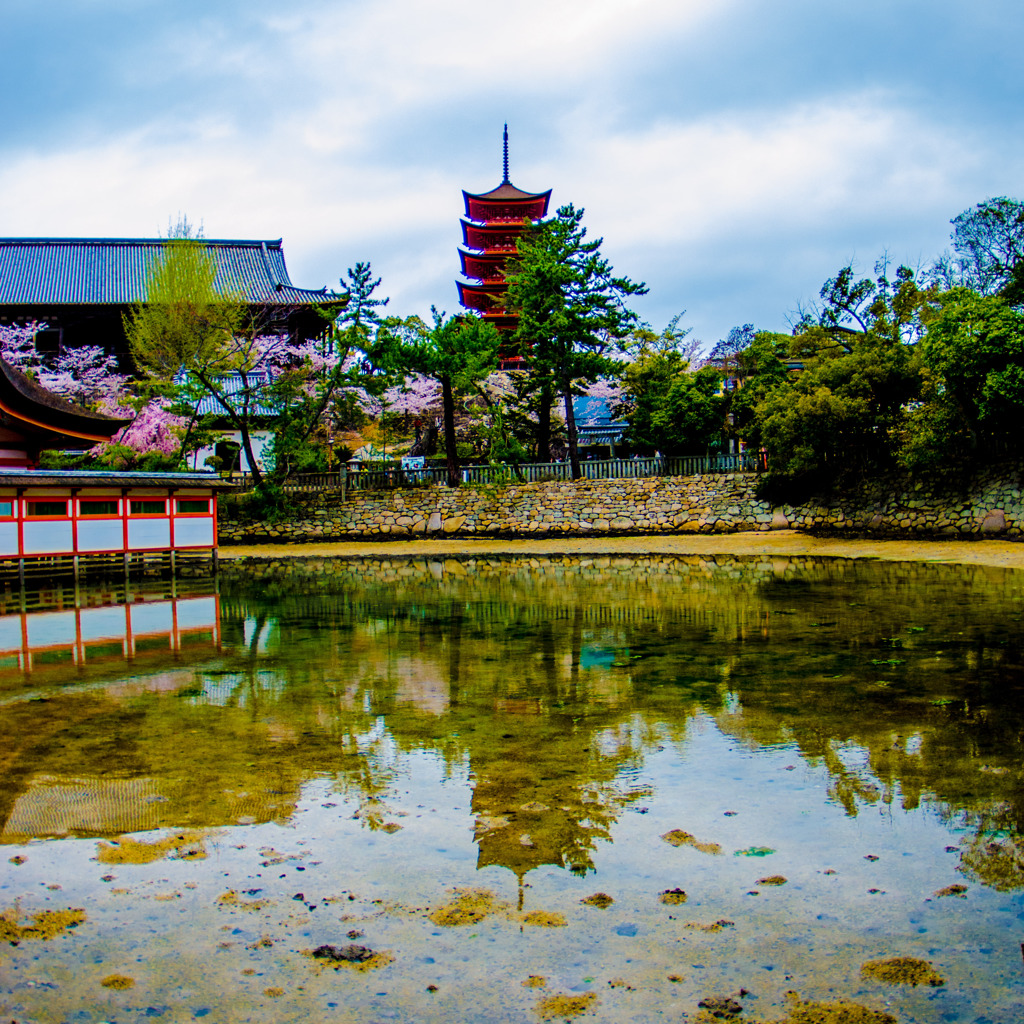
x=733 y=154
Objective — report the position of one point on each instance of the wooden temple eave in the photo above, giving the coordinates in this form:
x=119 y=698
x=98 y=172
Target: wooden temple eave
x=482 y=297
x=485 y=237
x=484 y=266
x=504 y=211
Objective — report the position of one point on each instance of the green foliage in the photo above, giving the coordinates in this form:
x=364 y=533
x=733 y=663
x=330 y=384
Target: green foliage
x=760 y=369
x=571 y=309
x=188 y=318
x=988 y=248
x=52 y=459
x=122 y=457
x=356 y=326
x=458 y=352
x=670 y=408
x=845 y=414
x=266 y=504
x=973 y=397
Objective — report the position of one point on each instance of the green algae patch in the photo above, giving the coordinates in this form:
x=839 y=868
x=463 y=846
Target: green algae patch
x=125 y=850
x=951 y=890
x=118 y=982
x=232 y=900
x=468 y=906
x=754 y=851
x=839 y=1012
x=711 y=927
x=773 y=880
x=544 y=919
x=601 y=900
x=673 y=897
x=353 y=958
x=677 y=837
x=902 y=970
x=45 y=925
x=565 y=1007
x=535 y=981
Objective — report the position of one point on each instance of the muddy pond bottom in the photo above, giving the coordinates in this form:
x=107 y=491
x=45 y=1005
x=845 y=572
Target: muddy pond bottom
x=517 y=789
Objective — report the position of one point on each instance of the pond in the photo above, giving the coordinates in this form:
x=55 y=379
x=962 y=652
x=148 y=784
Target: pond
x=514 y=789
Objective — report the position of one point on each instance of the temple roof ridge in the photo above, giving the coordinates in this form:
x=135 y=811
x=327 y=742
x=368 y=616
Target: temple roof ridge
x=114 y=270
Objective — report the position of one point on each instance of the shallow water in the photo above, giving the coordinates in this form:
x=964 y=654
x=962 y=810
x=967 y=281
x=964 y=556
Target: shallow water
x=329 y=752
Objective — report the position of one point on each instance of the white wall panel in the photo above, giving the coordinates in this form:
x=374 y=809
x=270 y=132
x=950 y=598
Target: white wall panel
x=48 y=537
x=103 y=623
x=100 y=535
x=149 y=533
x=8 y=538
x=193 y=533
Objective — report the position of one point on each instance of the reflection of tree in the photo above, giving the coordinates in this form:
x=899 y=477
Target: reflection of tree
x=886 y=675
x=997 y=862
x=550 y=682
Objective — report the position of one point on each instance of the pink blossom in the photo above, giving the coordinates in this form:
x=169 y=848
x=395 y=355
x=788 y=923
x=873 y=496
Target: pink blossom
x=153 y=429
x=82 y=375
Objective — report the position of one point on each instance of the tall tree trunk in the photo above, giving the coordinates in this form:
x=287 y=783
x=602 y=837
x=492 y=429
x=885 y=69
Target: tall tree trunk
x=570 y=429
x=544 y=424
x=257 y=474
x=450 y=447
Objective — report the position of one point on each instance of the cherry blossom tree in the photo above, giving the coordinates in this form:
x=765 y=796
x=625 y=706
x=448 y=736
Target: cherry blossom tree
x=83 y=375
x=154 y=437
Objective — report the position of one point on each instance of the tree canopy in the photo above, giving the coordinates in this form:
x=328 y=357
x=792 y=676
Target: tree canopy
x=572 y=309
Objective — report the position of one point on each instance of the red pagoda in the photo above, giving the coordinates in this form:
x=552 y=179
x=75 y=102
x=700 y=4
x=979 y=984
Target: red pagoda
x=490 y=228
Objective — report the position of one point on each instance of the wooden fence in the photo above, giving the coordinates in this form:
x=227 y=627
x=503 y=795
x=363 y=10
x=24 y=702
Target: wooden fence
x=345 y=480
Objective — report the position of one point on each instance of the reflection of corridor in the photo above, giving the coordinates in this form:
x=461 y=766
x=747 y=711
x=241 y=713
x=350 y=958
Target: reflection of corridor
x=106 y=630
x=82 y=650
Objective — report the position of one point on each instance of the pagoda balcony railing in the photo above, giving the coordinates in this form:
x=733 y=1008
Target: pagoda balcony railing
x=494 y=245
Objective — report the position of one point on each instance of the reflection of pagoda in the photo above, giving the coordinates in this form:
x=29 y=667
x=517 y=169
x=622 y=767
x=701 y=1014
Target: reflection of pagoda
x=493 y=222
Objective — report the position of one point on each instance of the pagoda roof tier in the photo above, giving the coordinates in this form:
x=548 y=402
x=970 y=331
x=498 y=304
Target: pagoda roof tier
x=484 y=266
x=506 y=190
x=486 y=237
x=481 y=297
x=484 y=208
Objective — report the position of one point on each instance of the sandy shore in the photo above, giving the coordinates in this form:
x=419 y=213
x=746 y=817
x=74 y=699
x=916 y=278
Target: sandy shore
x=781 y=543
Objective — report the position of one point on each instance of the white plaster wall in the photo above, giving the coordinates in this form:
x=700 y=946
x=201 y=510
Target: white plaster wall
x=149 y=533
x=44 y=537
x=100 y=535
x=193 y=533
x=8 y=539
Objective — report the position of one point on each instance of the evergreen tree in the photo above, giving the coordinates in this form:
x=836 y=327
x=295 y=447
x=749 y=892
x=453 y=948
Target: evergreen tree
x=458 y=352
x=572 y=309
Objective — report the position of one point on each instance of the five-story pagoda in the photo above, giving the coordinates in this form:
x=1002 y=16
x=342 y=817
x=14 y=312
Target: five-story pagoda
x=490 y=228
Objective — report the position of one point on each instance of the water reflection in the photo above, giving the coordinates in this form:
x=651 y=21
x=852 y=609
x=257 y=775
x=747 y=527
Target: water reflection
x=550 y=683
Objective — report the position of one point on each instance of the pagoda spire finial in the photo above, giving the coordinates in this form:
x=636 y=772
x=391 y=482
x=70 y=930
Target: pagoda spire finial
x=505 y=180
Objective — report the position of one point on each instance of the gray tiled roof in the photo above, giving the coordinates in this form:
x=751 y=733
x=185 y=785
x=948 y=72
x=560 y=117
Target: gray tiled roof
x=73 y=271
x=233 y=384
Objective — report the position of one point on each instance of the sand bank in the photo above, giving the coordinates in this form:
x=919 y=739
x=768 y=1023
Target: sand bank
x=1009 y=554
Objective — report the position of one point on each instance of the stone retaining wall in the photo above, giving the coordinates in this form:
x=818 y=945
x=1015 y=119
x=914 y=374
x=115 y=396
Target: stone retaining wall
x=713 y=503
x=991 y=504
